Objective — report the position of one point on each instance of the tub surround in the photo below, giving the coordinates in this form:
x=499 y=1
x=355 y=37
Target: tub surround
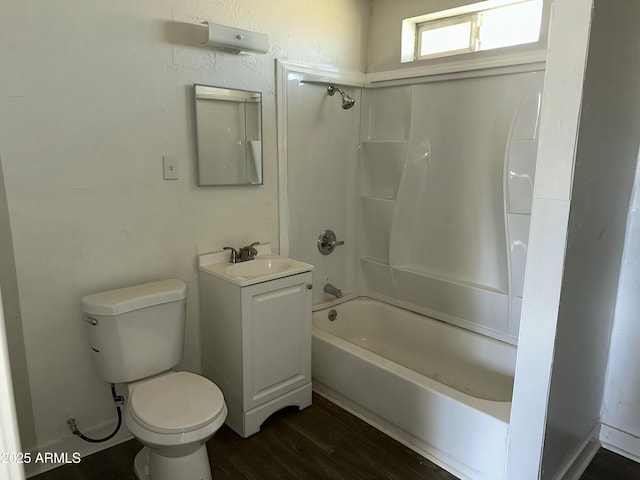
x=444 y=178
x=436 y=234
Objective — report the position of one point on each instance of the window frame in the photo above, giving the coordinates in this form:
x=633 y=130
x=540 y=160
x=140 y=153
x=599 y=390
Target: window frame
x=441 y=19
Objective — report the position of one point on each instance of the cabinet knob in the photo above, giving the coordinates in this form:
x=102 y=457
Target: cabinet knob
x=309 y=286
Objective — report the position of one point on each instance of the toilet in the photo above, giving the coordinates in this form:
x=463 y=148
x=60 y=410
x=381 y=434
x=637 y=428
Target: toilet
x=136 y=335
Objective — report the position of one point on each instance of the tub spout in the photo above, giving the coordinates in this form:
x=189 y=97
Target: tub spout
x=331 y=290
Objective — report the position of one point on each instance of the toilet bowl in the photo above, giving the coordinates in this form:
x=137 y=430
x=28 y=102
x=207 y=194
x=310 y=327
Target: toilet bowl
x=136 y=334
x=173 y=415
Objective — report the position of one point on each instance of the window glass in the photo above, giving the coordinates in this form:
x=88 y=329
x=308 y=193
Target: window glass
x=511 y=25
x=444 y=39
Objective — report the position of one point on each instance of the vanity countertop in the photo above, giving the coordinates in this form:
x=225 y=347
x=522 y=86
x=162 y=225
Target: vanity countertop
x=265 y=267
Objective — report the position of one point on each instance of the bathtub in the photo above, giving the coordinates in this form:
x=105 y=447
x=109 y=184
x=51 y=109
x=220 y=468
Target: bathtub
x=441 y=390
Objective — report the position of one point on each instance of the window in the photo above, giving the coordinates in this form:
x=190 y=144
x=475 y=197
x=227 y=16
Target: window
x=482 y=26
x=451 y=36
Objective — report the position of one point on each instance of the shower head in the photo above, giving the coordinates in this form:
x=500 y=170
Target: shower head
x=347 y=101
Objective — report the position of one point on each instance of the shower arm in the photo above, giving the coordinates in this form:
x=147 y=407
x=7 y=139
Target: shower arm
x=331 y=90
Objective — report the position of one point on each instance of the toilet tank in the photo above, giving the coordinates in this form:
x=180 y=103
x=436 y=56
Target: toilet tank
x=138 y=331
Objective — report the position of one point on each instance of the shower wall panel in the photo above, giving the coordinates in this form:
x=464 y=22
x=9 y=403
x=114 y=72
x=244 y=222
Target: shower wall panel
x=451 y=251
x=322 y=153
x=458 y=224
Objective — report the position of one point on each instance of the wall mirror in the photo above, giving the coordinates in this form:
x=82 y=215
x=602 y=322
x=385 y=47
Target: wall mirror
x=228 y=136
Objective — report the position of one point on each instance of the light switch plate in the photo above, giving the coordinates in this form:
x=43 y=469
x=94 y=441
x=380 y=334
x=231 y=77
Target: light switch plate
x=170 y=165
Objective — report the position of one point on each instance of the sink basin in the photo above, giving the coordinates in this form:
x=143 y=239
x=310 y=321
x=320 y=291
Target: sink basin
x=253 y=268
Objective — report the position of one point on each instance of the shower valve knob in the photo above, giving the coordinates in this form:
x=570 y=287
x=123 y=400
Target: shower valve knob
x=327 y=242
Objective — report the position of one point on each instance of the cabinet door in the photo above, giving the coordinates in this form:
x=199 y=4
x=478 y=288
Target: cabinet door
x=276 y=338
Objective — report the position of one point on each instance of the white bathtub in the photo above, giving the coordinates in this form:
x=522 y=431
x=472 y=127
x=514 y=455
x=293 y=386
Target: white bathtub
x=439 y=389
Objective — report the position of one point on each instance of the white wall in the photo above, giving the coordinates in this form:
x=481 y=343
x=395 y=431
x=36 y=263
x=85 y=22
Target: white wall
x=605 y=164
x=621 y=403
x=565 y=340
x=92 y=94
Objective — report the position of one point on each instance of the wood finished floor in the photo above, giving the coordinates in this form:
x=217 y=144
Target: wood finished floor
x=323 y=442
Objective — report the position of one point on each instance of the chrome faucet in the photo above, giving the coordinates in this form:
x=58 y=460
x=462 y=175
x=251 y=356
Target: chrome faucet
x=331 y=290
x=242 y=254
x=248 y=252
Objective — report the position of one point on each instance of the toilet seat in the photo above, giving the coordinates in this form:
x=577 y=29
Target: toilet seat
x=177 y=402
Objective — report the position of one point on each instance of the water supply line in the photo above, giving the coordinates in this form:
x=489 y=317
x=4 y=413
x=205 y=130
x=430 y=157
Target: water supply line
x=118 y=400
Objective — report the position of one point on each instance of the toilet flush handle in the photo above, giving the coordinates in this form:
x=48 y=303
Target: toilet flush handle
x=90 y=320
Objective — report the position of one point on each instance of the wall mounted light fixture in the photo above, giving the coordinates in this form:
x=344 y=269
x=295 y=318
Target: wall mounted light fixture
x=236 y=40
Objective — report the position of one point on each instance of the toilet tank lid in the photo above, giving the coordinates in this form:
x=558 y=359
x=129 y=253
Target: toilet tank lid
x=123 y=300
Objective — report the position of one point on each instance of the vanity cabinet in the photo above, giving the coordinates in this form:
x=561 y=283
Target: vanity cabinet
x=256 y=344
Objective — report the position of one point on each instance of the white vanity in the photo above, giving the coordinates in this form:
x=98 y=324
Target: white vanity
x=256 y=334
